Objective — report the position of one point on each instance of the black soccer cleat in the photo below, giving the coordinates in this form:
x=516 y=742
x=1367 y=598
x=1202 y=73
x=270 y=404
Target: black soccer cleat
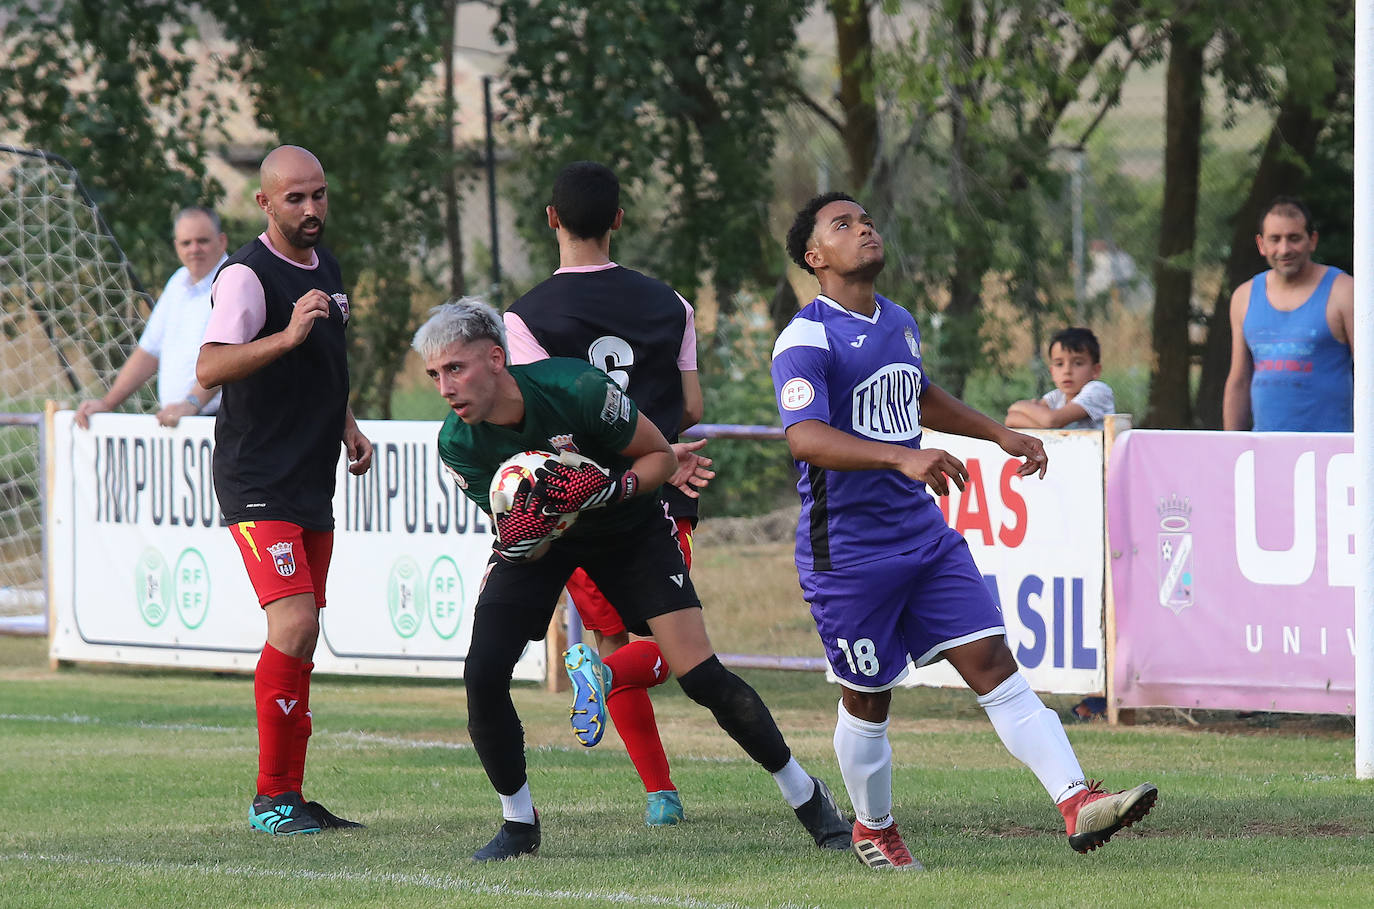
x=331 y=821
x=822 y=818
x=282 y=815
x=513 y=840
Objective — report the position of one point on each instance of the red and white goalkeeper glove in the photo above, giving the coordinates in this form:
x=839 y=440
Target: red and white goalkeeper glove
x=522 y=527
x=564 y=489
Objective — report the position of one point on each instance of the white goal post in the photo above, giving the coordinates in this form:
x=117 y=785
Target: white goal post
x=71 y=310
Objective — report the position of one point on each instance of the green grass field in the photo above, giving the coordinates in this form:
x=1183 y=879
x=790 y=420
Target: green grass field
x=129 y=788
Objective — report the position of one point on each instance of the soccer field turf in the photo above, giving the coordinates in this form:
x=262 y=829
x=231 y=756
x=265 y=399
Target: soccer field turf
x=130 y=788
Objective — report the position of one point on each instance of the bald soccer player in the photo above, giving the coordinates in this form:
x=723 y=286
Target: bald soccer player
x=275 y=342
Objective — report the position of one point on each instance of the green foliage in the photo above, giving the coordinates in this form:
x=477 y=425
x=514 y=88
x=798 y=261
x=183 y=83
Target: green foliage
x=977 y=206
x=107 y=86
x=751 y=477
x=676 y=96
x=342 y=78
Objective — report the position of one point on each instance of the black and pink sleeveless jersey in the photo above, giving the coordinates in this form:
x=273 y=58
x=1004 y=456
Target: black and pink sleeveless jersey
x=279 y=431
x=633 y=327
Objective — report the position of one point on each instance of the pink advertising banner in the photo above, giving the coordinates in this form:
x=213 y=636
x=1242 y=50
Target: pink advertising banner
x=1233 y=570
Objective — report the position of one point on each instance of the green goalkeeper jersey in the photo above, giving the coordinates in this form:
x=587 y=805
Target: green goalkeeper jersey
x=569 y=405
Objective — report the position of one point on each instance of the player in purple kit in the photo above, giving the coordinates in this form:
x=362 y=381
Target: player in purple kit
x=888 y=581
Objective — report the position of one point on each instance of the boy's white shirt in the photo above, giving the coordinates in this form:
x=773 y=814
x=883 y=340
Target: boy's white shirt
x=1096 y=398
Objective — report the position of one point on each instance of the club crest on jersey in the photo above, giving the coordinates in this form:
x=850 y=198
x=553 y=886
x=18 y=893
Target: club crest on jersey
x=911 y=342
x=887 y=405
x=562 y=442
x=283 y=558
x=460 y=480
x=342 y=301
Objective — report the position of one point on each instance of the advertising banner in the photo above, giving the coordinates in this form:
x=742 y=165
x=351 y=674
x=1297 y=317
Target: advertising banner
x=1040 y=546
x=1233 y=568
x=143 y=569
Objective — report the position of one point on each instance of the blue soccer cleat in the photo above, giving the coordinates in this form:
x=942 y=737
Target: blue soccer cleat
x=591 y=680
x=664 y=808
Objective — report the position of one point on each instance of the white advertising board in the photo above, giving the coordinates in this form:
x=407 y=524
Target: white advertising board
x=143 y=571
x=1040 y=545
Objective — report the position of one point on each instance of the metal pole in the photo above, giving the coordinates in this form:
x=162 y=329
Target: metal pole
x=1364 y=391
x=1080 y=273
x=491 y=186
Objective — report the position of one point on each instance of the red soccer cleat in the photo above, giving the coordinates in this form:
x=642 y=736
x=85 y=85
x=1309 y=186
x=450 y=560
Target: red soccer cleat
x=883 y=848
x=1092 y=816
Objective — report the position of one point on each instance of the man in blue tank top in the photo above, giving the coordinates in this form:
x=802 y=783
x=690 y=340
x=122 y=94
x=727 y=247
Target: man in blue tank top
x=1292 y=328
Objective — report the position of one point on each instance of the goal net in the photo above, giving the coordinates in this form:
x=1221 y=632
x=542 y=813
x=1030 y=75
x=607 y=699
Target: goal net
x=71 y=310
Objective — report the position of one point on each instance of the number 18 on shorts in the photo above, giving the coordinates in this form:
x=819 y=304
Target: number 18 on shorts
x=873 y=616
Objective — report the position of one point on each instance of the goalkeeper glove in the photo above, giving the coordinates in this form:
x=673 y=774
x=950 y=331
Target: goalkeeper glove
x=522 y=528
x=564 y=489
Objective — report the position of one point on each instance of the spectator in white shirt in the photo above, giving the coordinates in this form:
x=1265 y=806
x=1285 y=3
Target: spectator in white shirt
x=171 y=340
x=1080 y=399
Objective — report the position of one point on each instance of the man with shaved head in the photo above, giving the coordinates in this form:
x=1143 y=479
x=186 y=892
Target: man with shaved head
x=275 y=342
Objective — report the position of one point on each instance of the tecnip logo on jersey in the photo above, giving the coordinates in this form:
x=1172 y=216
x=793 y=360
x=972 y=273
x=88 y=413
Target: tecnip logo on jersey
x=887 y=405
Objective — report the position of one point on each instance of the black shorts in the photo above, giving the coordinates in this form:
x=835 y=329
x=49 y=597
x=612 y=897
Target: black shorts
x=640 y=570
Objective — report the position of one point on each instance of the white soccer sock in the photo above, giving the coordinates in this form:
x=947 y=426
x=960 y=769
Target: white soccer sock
x=518 y=807
x=1034 y=736
x=795 y=784
x=866 y=764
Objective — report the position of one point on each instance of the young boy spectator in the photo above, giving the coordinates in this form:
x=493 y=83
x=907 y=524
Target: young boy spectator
x=1079 y=399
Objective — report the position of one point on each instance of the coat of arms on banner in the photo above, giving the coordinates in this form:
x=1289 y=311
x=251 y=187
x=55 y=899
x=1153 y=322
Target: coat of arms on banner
x=283 y=558
x=1175 y=553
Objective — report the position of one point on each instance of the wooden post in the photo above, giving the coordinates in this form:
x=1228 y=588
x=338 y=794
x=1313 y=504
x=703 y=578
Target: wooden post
x=555 y=642
x=1114 y=425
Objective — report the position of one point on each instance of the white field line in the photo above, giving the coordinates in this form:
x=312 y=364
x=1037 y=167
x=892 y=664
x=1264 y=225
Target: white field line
x=421 y=881
x=353 y=736
x=347 y=735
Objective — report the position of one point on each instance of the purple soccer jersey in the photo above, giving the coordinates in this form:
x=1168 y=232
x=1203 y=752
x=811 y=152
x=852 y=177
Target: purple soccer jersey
x=862 y=375
x=886 y=577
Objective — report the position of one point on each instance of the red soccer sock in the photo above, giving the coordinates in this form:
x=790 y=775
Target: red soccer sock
x=635 y=667
x=304 y=726
x=275 y=689
x=639 y=664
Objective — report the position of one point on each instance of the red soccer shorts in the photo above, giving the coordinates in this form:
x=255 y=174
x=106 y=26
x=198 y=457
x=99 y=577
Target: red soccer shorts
x=596 y=611
x=284 y=559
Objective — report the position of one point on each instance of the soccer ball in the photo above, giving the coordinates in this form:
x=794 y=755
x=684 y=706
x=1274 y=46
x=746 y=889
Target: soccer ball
x=519 y=468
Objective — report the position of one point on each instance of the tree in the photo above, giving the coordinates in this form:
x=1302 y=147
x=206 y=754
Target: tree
x=108 y=87
x=678 y=97
x=1173 y=272
x=977 y=94
x=854 y=51
x=1307 y=152
x=346 y=79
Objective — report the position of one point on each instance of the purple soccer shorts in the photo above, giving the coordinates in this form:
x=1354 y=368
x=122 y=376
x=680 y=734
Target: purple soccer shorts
x=871 y=617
